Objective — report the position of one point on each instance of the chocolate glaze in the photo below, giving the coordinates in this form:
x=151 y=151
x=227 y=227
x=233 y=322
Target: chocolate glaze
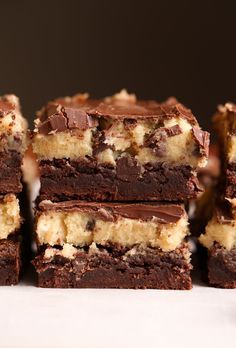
x=72 y=113
x=165 y=214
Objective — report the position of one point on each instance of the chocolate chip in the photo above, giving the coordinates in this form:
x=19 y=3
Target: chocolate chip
x=90 y=225
x=202 y=139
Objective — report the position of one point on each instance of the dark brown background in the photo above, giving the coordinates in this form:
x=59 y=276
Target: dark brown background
x=153 y=48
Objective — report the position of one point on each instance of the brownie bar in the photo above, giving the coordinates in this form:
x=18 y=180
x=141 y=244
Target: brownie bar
x=10 y=261
x=88 y=244
x=136 y=268
x=64 y=179
x=118 y=149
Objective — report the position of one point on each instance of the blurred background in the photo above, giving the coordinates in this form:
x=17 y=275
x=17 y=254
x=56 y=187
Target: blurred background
x=153 y=48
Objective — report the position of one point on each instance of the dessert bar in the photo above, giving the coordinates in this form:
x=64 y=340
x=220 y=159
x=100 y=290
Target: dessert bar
x=220 y=241
x=115 y=245
x=118 y=149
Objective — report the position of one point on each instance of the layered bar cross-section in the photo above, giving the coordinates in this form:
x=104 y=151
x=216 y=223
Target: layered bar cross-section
x=83 y=244
x=118 y=149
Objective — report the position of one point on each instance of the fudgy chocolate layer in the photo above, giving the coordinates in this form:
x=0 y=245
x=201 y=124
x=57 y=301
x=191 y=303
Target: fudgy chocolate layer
x=115 y=268
x=63 y=179
x=230 y=181
x=222 y=267
x=164 y=213
x=10 y=172
x=10 y=262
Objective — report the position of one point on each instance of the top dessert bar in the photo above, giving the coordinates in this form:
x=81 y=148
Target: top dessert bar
x=118 y=149
x=13 y=142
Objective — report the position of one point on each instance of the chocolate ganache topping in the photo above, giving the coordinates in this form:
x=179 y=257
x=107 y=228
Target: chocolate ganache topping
x=169 y=213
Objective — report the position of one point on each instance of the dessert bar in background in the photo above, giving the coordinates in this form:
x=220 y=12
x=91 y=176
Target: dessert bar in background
x=220 y=240
x=99 y=245
x=220 y=234
x=119 y=149
x=225 y=125
x=13 y=143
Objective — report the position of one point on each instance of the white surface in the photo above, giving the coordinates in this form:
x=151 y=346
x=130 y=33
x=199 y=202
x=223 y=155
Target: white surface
x=32 y=317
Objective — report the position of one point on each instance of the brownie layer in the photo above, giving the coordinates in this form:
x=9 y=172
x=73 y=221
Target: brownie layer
x=10 y=261
x=62 y=179
x=116 y=268
x=10 y=171
x=230 y=181
x=222 y=266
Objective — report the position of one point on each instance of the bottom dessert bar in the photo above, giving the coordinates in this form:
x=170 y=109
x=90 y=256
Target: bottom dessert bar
x=10 y=261
x=99 y=267
x=112 y=245
x=220 y=241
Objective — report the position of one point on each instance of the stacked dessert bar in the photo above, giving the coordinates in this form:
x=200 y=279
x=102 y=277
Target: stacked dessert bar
x=13 y=142
x=220 y=233
x=106 y=167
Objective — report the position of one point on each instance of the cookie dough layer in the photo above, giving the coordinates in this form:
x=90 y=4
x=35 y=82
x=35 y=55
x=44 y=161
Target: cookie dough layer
x=222 y=266
x=152 y=133
x=10 y=219
x=126 y=225
x=221 y=228
x=225 y=124
x=64 y=179
x=99 y=267
x=13 y=127
x=10 y=262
